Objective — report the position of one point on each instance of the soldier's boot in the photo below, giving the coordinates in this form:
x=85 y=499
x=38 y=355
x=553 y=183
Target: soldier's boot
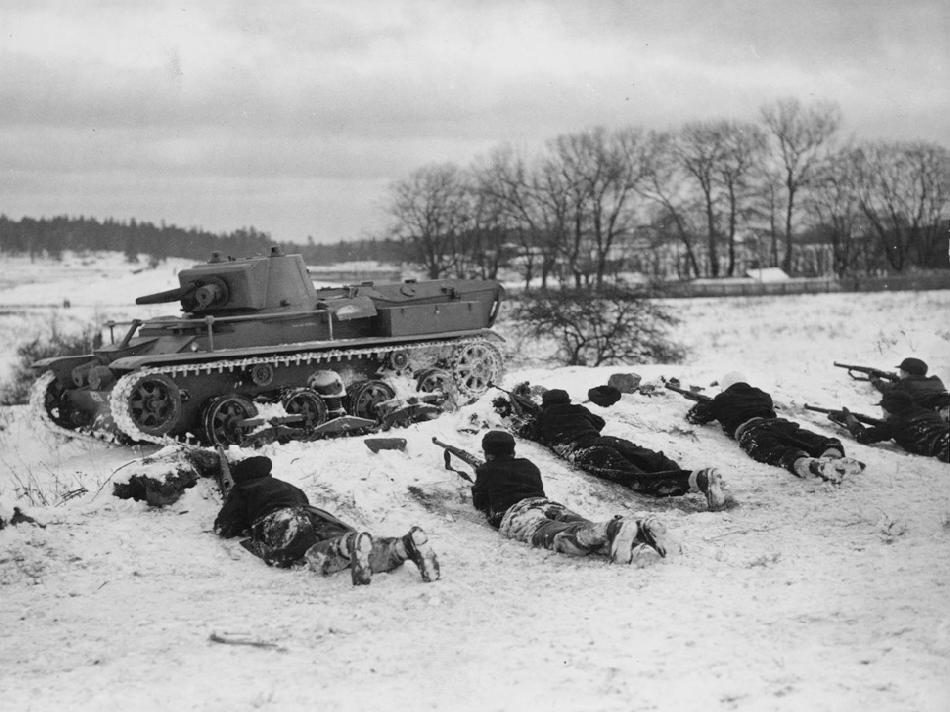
x=421 y=553
x=832 y=470
x=644 y=555
x=654 y=533
x=358 y=547
x=621 y=537
x=709 y=481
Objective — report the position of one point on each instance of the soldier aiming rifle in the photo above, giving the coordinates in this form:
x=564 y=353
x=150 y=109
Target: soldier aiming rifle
x=912 y=379
x=918 y=430
x=286 y=530
x=510 y=492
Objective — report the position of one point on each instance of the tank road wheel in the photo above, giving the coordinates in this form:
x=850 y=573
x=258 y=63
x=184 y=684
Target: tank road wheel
x=221 y=419
x=474 y=366
x=309 y=404
x=154 y=404
x=432 y=380
x=365 y=396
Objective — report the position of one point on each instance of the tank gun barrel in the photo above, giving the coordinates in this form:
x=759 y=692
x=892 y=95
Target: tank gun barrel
x=170 y=295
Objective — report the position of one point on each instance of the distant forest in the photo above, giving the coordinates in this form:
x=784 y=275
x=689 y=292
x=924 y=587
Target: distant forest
x=53 y=236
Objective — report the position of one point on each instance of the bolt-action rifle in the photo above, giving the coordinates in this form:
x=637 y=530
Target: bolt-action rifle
x=673 y=384
x=463 y=455
x=839 y=415
x=225 y=479
x=522 y=405
x=869 y=370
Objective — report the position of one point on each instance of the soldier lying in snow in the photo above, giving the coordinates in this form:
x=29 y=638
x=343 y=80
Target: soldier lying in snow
x=918 y=430
x=573 y=432
x=510 y=492
x=747 y=415
x=285 y=529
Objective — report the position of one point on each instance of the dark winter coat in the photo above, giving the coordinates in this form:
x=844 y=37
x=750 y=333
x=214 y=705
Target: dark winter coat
x=564 y=423
x=249 y=501
x=925 y=391
x=502 y=482
x=733 y=407
x=919 y=431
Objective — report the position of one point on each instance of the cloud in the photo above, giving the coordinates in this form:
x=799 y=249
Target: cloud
x=173 y=96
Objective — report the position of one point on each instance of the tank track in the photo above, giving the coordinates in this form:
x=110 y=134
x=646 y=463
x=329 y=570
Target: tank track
x=38 y=413
x=119 y=397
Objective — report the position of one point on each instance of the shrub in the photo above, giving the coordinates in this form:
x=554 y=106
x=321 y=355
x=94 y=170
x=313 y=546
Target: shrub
x=54 y=343
x=592 y=328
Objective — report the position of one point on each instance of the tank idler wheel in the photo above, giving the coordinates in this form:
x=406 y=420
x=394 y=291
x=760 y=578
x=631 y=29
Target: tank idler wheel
x=475 y=366
x=365 y=396
x=308 y=403
x=222 y=419
x=155 y=404
x=58 y=408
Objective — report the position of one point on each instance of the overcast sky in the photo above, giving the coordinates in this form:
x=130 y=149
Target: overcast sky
x=295 y=117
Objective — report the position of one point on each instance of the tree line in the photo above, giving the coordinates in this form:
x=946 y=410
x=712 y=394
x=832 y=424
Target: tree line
x=704 y=200
x=51 y=237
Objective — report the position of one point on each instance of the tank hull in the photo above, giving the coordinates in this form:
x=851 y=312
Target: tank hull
x=318 y=354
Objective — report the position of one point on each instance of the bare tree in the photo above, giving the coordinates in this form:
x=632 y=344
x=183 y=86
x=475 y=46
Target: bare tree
x=430 y=209
x=529 y=215
x=743 y=148
x=835 y=203
x=664 y=183
x=800 y=134
x=700 y=150
x=589 y=181
x=904 y=194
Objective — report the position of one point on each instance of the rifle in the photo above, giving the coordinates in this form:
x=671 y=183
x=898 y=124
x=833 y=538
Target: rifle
x=839 y=413
x=523 y=406
x=463 y=455
x=225 y=479
x=673 y=385
x=870 y=371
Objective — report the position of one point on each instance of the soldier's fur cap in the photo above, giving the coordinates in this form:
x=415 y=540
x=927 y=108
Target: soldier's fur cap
x=498 y=442
x=555 y=395
x=604 y=396
x=252 y=468
x=913 y=366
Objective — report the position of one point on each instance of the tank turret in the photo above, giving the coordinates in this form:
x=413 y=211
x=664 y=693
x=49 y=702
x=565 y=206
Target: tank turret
x=252 y=284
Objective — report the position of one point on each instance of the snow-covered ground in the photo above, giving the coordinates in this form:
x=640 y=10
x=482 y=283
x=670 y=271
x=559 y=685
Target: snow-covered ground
x=803 y=596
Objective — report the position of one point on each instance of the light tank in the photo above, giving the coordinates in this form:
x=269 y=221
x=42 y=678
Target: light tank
x=255 y=332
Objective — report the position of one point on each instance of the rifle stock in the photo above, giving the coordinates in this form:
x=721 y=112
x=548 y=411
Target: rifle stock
x=860 y=417
x=463 y=455
x=869 y=370
x=225 y=480
x=687 y=394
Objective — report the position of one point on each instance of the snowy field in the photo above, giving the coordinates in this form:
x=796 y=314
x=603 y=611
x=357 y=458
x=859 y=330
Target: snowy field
x=802 y=596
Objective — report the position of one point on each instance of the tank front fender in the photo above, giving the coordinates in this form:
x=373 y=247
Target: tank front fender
x=61 y=364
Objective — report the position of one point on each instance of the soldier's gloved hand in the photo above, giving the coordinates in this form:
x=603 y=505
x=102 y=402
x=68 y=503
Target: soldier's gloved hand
x=837 y=417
